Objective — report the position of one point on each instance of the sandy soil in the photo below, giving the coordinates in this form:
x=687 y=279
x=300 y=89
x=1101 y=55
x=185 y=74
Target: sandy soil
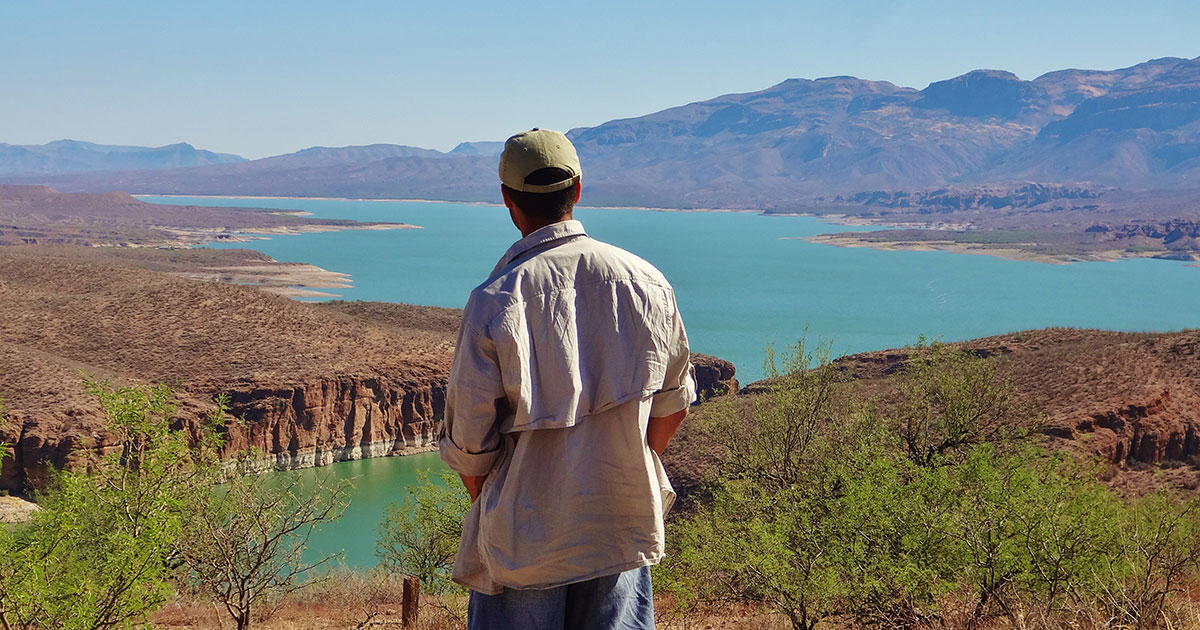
x=294 y=280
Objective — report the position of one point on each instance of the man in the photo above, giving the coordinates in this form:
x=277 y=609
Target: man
x=571 y=374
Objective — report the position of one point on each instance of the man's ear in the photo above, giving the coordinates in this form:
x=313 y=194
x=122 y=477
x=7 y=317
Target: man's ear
x=578 y=190
x=514 y=213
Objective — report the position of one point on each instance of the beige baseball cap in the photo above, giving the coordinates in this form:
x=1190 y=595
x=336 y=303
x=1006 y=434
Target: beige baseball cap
x=533 y=150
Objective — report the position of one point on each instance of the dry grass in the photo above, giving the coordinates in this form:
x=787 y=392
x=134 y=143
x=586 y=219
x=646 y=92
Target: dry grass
x=361 y=600
x=342 y=599
x=356 y=599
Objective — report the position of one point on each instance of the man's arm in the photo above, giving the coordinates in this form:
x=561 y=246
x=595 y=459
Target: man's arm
x=661 y=430
x=670 y=404
x=470 y=442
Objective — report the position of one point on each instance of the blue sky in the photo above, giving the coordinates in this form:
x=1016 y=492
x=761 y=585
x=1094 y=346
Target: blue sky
x=263 y=78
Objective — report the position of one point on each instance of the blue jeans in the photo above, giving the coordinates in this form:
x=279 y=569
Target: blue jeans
x=623 y=601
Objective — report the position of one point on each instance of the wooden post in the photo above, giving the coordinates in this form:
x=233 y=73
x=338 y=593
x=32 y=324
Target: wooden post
x=410 y=603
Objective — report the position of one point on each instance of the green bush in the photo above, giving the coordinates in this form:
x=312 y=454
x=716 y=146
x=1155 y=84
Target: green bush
x=419 y=537
x=99 y=554
x=952 y=399
x=244 y=542
x=937 y=512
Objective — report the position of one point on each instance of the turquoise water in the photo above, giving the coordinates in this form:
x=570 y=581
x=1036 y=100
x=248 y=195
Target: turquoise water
x=377 y=483
x=742 y=281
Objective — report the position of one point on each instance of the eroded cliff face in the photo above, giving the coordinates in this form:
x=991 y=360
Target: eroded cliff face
x=1151 y=432
x=280 y=426
x=336 y=419
x=289 y=426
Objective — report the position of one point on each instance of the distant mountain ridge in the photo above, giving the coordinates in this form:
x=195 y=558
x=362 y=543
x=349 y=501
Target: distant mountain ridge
x=491 y=149
x=790 y=146
x=71 y=156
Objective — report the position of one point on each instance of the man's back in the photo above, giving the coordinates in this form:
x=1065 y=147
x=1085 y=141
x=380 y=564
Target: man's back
x=570 y=376
x=584 y=334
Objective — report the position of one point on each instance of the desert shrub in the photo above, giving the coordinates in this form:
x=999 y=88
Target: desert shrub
x=100 y=552
x=952 y=400
x=825 y=509
x=114 y=536
x=1024 y=527
x=1155 y=558
x=419 y=537
x=812 y=512
x=244 y=543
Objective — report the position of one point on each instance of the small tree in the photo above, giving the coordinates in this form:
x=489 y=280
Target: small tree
x=822 y=510
x=420 y=536
x=952 y=399
x=244 y=543
x=99 y=553
x=809 y=513
x=1156 y=557
x=773 y=440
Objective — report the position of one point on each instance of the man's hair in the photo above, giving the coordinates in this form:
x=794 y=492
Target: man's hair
x=551 y=206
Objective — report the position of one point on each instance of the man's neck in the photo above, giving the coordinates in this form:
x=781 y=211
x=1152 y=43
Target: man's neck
x=529 y=226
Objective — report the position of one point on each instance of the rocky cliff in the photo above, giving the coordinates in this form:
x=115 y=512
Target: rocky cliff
x=714 y=377
x=305 y=425
x=314 y=383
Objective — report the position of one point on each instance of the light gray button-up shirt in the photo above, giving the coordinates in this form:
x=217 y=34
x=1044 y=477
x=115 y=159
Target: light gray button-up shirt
x=564 y=354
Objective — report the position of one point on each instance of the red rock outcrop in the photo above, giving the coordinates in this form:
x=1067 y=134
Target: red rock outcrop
x=314 y=424
x=337 y=419
x=714 y=377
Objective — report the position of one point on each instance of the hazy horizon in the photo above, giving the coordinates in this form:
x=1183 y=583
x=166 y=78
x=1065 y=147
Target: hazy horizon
x=256 y=80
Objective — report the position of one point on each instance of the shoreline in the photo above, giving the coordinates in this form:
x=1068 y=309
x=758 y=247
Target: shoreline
x=17 y=510
x=465 y=203
x=974 y=249
x=289 y=279
x=832 y=218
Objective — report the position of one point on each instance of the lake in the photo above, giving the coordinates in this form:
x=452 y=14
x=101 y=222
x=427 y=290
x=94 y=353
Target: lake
x=742 y=281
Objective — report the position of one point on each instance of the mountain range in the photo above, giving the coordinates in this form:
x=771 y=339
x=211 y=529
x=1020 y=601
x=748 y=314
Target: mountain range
x=74 y=156
x=792 y=146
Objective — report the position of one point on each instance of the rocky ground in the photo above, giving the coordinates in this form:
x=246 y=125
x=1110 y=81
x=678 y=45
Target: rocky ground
x=1132 y=399
x=315 y=382
x=16 y=510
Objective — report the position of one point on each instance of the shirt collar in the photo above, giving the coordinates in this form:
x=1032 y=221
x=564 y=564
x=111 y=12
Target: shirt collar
x=541 y=236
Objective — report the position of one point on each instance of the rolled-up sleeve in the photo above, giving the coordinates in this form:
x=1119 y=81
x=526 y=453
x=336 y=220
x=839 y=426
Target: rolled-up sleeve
x=470 y=441
x=679 y=386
